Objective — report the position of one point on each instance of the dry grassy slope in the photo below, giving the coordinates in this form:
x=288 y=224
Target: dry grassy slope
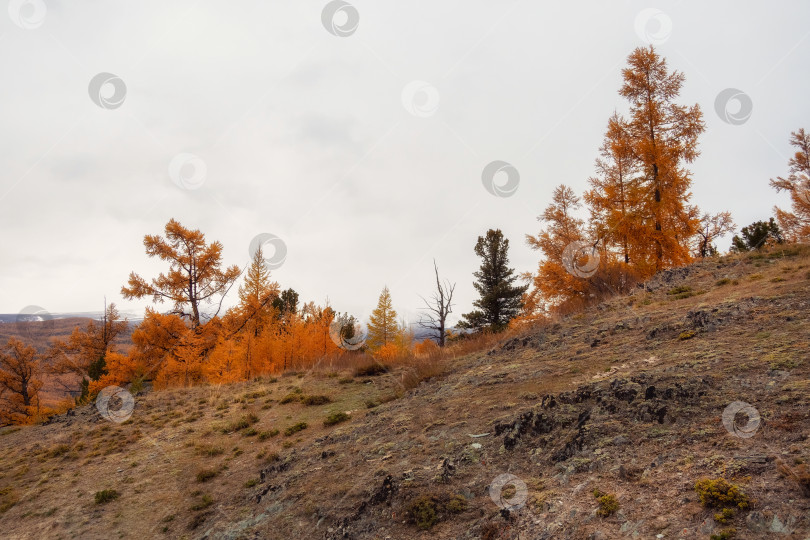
x=568 y=409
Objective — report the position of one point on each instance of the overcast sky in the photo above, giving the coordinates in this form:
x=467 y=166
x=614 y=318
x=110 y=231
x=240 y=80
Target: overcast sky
x=360 y=146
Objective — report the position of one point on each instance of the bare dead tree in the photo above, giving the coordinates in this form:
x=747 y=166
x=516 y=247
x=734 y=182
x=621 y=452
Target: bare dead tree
x=438 y=308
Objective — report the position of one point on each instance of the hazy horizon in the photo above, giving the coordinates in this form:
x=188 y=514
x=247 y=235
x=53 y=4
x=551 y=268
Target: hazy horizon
x=363 y=153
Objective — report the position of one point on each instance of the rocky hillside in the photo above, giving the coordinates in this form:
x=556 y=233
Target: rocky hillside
x=679 y=411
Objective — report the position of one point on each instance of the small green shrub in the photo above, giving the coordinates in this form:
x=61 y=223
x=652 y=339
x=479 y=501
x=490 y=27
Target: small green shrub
x=242 y=423
x=675 y=291
x=57 y=450
x=725 y=534
x=295 y=428
x=370 y=370
x=608 y=505
x=726 y=515
x=137 y=386
x=423 y=511
x=689 y=334
x=316 y=400
x=210 y=451
x=721 y=282
x=427 y=509
x=457 y=504
x=336 y=418
x=267 y=434
x=290 y=398
x=719 y=493
x=106 y=495
x=252 y=482
x=206 y=474
x=204 y=503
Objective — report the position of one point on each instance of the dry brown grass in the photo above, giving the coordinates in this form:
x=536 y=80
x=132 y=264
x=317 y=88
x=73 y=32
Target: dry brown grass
x=449 y=400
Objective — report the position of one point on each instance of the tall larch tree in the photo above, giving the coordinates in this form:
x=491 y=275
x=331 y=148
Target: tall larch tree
x=256 y=297
x=614 y=195
x=195 y=275
x=664 y=137
x=499 y=299
x=20 y=383
x=552 y=282
x=382 y=326
x=156 y=342
x=796 y=224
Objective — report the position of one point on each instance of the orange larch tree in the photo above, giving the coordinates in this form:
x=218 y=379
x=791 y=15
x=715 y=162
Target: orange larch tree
x=169 y=351
x=615 y=191
x=318 y=320
x=157 y=336
x=255 y=312
x=195 y=275
x=256 y=296
x=84 y=353
x=796 y=224
x=382 y=326
x=664 y=137
x=554 y=284
x=20 y=383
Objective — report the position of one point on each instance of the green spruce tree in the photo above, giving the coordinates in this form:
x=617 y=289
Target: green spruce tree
x=500 y=300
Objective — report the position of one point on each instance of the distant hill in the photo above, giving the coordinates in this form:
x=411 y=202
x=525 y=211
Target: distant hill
x=40 y=333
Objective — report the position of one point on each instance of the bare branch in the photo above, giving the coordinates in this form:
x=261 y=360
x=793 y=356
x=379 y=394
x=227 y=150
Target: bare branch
x=437 y=310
